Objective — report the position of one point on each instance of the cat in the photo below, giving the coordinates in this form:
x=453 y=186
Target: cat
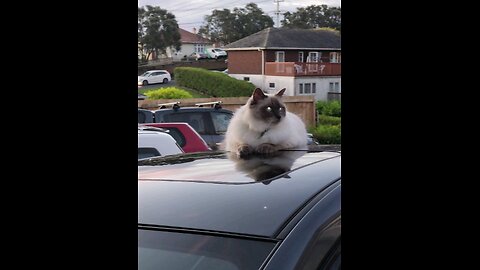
x=264 y=126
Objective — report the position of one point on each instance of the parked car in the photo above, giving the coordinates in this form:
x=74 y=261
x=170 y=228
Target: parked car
x=154 y=76
x=216 y=53
x=210 y=211
x=311 y=140
x=210 y=122
x=155 y=143
x=184 y=134
x=197 y=56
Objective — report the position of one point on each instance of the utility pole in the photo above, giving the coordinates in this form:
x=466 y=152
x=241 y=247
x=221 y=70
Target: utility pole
x=277 y=12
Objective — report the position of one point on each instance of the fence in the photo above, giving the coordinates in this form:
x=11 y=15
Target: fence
x=303 y=106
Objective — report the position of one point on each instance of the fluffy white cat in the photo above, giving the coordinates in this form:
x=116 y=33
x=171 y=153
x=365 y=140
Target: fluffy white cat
x=264 y=126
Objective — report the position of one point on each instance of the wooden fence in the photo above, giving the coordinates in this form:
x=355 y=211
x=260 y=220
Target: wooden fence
x=303 y=106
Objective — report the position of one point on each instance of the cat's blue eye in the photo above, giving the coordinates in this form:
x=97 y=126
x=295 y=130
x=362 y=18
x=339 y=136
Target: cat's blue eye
x=269 y=109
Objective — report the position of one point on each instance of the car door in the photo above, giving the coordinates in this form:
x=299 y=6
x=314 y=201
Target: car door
x=154 y=77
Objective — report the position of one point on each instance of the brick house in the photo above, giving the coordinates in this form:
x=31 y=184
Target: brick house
x=304 y=61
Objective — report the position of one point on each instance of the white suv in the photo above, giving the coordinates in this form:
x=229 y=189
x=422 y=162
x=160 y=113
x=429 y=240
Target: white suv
x=155 y=143
x=216 y=53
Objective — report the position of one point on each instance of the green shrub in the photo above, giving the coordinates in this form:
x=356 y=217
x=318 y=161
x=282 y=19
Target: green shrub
x=331 y=108
x=215 y=84
x=328 y=120
x=168 y=93
x=327 y=134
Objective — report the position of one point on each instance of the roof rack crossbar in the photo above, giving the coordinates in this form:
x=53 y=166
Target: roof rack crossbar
x=215 y=104
x=174 y=105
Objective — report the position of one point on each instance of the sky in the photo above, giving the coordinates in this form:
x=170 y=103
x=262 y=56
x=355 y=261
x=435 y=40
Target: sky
x=190 y=14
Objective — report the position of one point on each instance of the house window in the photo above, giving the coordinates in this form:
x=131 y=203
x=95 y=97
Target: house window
x=271 y=85
x=300 y=57
x=307 y=88
x=246 y=79
x=279 y=56
x=200 y=48
x=312 y=57
x=335 y=57
x=334 y=87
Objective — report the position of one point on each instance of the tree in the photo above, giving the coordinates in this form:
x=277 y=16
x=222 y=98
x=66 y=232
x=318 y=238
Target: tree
x=157 y=30
x=314 y=17
x=227 y=26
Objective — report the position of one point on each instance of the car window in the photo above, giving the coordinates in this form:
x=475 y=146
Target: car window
x=146 y=152
x=141 y=117
x=177 y=135
x=178 y=251
x=221 y=121
x=194 y=119
x=145 y=116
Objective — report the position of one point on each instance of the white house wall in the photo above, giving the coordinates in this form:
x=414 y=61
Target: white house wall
x=322 y=85
x=291 y=84
x=263 y=82
x=186 y=49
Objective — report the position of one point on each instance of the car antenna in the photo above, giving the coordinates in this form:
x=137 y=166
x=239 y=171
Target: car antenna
x=214 y=104
x=174 y=105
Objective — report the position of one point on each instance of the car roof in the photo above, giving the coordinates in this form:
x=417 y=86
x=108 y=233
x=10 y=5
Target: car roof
x=210 y=191
x=186 y=109
x=156 y=70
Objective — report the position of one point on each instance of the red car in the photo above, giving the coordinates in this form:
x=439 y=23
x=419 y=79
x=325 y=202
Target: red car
x=185 y=135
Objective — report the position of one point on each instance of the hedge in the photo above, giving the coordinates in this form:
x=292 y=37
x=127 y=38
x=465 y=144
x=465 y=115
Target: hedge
x=168 y=93
x=215 y=84
x=331 y=108
x=328 y=120
x=327 y=134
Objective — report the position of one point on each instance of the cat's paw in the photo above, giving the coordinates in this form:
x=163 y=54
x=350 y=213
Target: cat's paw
x=266 y=149
x=244 y=150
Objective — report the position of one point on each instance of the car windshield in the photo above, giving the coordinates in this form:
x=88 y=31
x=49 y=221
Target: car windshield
x=175 y=250
x=145 y=74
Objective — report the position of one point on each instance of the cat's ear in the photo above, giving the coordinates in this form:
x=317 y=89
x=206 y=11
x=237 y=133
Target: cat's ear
x=280 y=93
x=257 y=95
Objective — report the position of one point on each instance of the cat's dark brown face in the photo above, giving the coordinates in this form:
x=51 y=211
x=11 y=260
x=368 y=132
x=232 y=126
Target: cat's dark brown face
x=267 y=108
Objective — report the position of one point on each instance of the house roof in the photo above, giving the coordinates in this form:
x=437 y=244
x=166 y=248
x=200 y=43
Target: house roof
x=279 y=38
x=187 y=37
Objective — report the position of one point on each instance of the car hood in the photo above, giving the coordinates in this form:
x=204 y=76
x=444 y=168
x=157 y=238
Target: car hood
x=141 y=78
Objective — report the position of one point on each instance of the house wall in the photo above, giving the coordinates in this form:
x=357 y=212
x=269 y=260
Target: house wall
x=322 y=86
x=291 y=84
x=186 y=49
x=245 y=62
x=263 y=82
